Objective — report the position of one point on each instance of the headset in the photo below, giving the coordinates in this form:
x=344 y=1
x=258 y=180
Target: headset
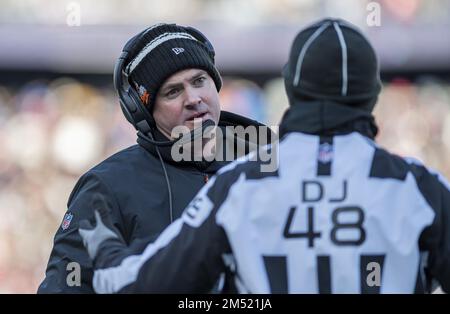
x=130 y=102
x=135 y=111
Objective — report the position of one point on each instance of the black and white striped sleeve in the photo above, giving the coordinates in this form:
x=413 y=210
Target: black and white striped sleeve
x=186 y=257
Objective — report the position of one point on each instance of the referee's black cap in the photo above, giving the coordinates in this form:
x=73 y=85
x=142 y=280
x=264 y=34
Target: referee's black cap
x=332 y=59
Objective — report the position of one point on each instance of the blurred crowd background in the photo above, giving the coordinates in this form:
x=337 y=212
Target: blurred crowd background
x=59 y=114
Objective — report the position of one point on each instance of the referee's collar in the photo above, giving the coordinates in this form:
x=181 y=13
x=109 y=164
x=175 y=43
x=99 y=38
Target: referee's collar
x=325 y=117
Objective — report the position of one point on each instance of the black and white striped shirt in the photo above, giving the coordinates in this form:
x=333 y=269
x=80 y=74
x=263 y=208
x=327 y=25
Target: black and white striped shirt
x=340 y=215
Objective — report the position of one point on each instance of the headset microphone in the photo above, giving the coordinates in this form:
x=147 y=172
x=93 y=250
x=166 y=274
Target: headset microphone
x=182 y=139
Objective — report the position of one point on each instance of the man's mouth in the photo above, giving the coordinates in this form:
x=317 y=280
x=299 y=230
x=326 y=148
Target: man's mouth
x=199 y=115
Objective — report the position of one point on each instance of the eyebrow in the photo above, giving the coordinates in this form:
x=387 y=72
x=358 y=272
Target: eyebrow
x=178 y=84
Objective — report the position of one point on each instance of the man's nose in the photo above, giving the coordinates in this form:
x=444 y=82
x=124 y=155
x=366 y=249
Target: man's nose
x=192 y=98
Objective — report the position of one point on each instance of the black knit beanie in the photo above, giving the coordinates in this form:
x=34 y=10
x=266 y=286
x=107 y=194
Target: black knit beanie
x=163 y=50
x=332 y=60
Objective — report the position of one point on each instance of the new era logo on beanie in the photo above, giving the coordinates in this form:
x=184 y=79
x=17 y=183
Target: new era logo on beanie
x=332 y=60
x=162 y=51
x=177 y=50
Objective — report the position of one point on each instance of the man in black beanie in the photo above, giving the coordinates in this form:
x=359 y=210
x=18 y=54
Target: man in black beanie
x=166 y=78
x=340 y=215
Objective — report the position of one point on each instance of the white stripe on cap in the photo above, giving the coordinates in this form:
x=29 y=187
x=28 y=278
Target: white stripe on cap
x=344 y=59
x=303 y=51
x=153 y=27
x=155 y=43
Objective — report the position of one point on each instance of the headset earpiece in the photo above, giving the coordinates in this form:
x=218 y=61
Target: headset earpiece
x=130 y=102
x=144 y=121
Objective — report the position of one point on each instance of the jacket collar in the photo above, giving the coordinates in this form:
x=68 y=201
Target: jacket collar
x=324 y=117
